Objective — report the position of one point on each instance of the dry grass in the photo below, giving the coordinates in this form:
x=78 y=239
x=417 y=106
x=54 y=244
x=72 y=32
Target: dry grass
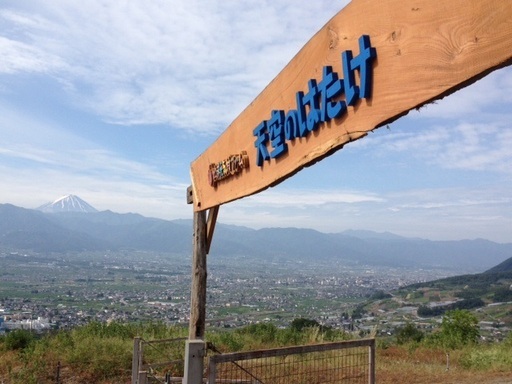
x=102 y=354
x=429 y=366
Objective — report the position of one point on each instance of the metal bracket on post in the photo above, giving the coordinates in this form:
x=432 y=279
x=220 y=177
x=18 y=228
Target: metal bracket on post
x=190 y=195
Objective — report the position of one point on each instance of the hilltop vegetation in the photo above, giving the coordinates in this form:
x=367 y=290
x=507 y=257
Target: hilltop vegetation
x=102 y=353
x=488 y=296
x=461 y=292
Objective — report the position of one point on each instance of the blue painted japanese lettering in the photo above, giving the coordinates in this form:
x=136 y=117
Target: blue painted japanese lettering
x=320 y=104
x=261 y=143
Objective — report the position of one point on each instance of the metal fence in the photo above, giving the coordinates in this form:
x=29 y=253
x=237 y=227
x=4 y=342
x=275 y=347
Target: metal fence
x=349 y=362
x=157 y=361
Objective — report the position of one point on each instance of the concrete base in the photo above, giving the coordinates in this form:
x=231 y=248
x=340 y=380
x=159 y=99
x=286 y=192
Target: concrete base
x=195 y=350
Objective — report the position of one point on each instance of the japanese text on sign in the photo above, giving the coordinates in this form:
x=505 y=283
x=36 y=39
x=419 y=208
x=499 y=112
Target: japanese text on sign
x=320 y=104
x=229 y=167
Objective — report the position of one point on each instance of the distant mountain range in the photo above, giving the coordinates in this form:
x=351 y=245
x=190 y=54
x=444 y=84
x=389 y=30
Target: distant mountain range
x=70 y=224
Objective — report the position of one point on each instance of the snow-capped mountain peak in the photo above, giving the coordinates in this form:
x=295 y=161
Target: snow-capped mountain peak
x=68 y=203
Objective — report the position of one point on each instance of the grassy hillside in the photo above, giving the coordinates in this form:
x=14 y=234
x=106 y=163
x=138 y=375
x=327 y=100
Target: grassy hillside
x=488 y=296
x=476 y=290
x=506 y=266
x=101 y=353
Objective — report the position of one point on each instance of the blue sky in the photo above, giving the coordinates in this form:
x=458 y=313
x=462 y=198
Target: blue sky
x=111 y=101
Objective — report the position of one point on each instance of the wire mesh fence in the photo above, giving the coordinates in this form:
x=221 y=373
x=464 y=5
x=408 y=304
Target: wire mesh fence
x=158 y=361
x=350 y=362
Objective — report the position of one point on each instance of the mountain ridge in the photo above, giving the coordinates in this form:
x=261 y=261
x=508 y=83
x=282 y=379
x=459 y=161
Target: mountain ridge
x=23 y=228
x=505 y=266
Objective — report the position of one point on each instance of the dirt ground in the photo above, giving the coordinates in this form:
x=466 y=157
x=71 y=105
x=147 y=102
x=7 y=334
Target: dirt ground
x=446 y=378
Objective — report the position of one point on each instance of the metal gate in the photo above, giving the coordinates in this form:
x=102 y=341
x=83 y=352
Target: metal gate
x=159 y=361
x=351 y=362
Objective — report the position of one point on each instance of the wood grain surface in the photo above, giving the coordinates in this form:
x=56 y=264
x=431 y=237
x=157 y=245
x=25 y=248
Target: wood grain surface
x=426 y=50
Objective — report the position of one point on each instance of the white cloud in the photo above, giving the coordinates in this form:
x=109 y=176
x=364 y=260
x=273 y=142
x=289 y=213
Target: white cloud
x=31 y=188
x=20 y=57
x=183 y=63
x=450 y=198
x=480 y=147
x=477 y=100
x=435 y=213
x=40 y=162
x=473 y=146
x=298 y=199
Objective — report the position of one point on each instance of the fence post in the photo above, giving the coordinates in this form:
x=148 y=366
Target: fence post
x=371 y=379
x=194 y=362
x=57 y=379
x=135 y=360
x=142 y=377
x=212 y=371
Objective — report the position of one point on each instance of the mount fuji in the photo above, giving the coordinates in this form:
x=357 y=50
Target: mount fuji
x=68 y=203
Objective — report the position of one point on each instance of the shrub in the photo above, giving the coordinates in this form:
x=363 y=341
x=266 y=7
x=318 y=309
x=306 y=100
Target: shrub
x=299 y=324
x=495 y=357
x=100 y=357
x=262 y=332
x=97 y=329
x=408 y=333
x=227 y=341
x=380 y=295
x=459 y=327
x=18 y=339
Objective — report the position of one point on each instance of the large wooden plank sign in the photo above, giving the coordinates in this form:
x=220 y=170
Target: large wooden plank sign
x=370 y=64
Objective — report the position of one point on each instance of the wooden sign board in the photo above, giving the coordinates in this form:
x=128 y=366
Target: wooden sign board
x=370 y=64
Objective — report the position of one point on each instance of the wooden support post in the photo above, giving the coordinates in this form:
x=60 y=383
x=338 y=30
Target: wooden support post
x=136 y=360
x=199 y=274
x=210 y=226
x=195 y=347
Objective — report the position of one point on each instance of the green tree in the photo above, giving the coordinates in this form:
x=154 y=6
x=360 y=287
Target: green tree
x=300 y=323
x=408 y=333
x=358 y=312
x=503 y=294
x=459 y=327
x=380 y=295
